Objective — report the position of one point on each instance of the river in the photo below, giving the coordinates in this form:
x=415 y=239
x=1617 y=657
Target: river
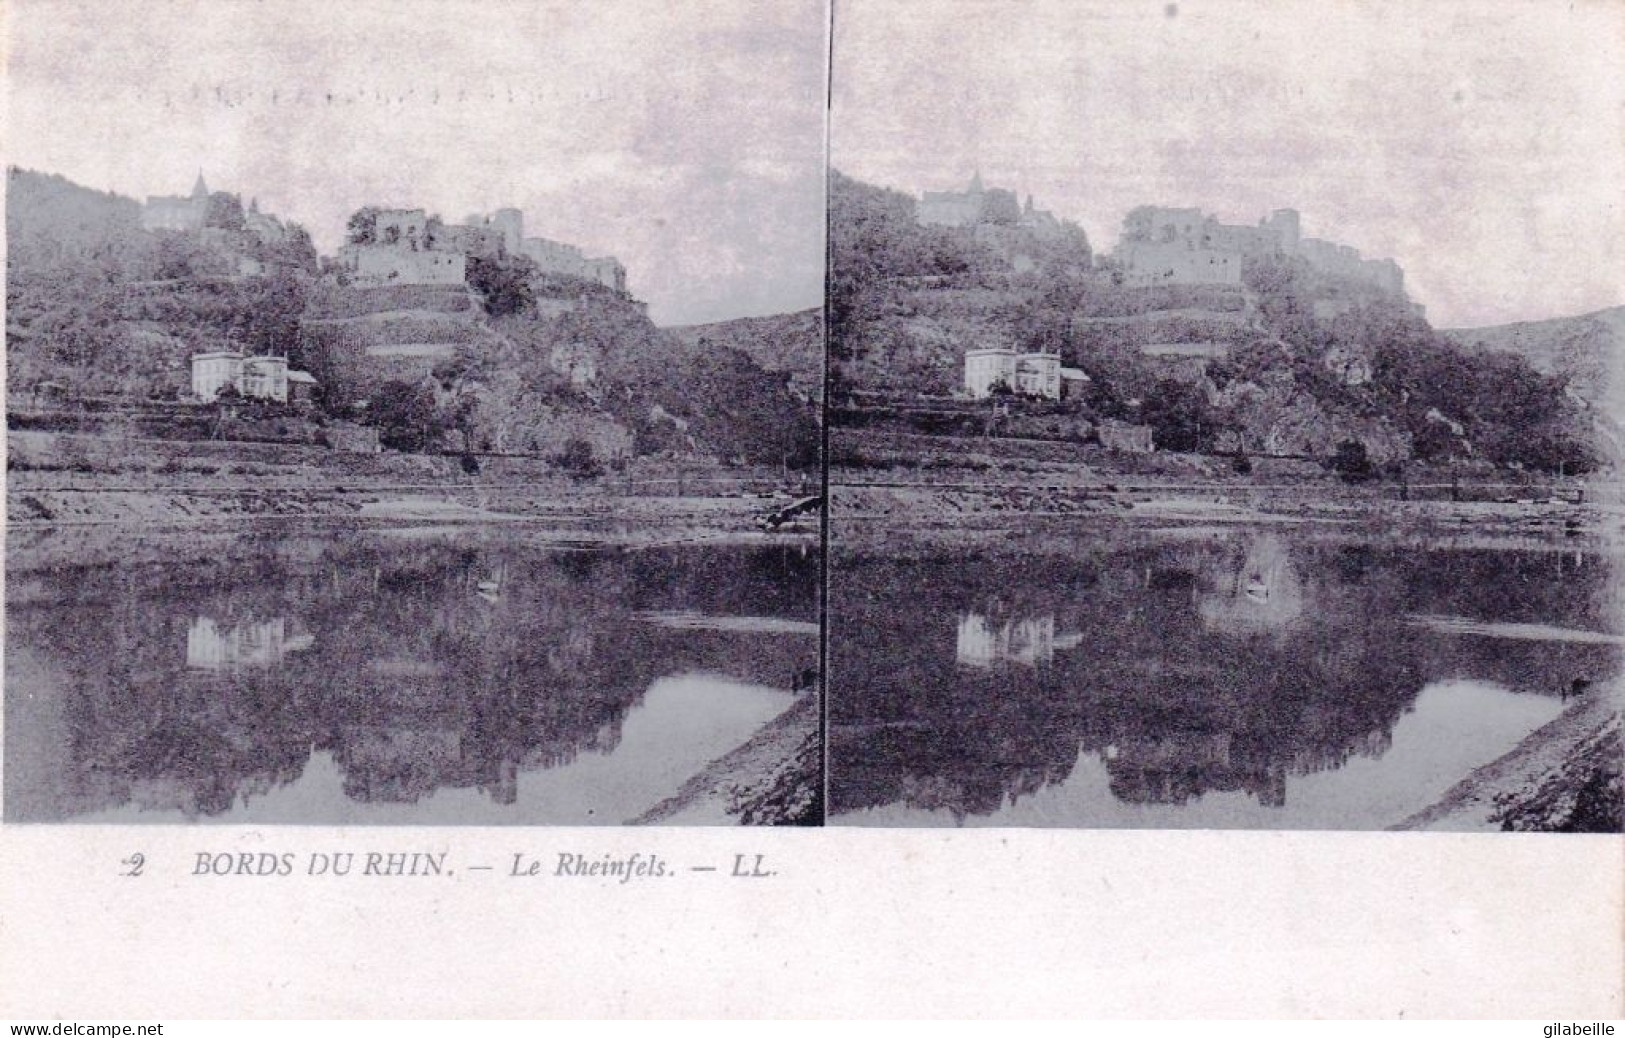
x=338 y=677
x=1251 y=677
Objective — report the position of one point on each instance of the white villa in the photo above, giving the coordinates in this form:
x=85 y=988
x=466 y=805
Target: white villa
x=257 y=378
x=1033 y=374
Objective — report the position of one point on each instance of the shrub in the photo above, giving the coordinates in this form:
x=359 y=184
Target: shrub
x=1351 y=462
x=577 y=458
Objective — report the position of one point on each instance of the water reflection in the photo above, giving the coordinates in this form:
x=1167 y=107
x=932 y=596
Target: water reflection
x=356 y=678
x=210 y=645
x=1029 y=641
x=1256 y=678
x=1263 y=594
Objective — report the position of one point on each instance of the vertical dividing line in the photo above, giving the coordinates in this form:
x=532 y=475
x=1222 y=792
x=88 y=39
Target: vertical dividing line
x=823 y=453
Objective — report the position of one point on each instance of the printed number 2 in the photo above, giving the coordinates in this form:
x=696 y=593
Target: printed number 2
x=133 y=864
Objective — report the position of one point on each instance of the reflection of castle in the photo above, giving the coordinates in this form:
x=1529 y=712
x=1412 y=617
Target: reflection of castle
x=1182 y=766
x=1031 y=641
x=244 y=645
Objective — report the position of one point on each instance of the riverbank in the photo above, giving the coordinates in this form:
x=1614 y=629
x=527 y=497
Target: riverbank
x=868 y=514
x=57 y=480
x=61 y=484
x=774 y=778
x=1563 y=777
x=597 y=511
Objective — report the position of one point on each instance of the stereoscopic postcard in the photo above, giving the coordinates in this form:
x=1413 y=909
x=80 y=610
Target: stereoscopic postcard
x=812 y=507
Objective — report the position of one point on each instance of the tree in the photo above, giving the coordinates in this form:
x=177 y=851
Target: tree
x=181 y=256
x=504 y=282
x=577 y=458
x=297 y=252
x=405 y=415
x=1351 y=462
x=225 y=211
x=268 y=318
x=1543 y=450
x=362 y=227
x=319 y=350
x=1177 y=414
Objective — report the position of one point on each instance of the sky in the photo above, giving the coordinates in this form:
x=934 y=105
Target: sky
x=685 y=139
x=1480 y=144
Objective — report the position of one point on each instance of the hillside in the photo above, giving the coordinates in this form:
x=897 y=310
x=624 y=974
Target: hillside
x=50 y=221
x=1293 y=361
x=594 y=360
x=519 y=362
x=1588 y=351
x=790 y=343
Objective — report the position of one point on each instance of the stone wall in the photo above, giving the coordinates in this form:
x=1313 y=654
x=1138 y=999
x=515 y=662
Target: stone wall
x=373 y=265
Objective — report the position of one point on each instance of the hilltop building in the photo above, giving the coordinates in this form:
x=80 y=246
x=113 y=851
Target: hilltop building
x=1161 y=245
x=394 y=247
x=409 y=247
x=1019 y=232
x=211 y=218
x=550 y=257
x=954 y=208
x=983 y=206
x=177 y=212
x=263 y=225
x=190 y=214
x=256 y=378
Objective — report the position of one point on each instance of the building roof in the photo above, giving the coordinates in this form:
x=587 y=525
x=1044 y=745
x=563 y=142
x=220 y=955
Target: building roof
x=301 y=376
x=1076 y=373
x=217 y=353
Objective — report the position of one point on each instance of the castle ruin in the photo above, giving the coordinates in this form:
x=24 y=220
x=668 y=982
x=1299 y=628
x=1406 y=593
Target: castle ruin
x=1162 y=245
x=395 y=247
x=550 y=257
x=409 y=247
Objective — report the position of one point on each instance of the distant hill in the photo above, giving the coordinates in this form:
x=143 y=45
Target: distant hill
x=51 y=220
x=1588 y=350
x=792 y=343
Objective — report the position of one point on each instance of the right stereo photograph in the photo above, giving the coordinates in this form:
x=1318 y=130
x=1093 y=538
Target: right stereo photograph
x=1224 y=416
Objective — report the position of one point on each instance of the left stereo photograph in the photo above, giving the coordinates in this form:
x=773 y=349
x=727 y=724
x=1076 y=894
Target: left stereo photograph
x=414 y=419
